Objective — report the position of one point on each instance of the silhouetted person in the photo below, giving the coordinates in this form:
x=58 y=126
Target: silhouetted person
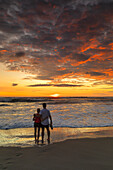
x=37 y=124
x=45 y=116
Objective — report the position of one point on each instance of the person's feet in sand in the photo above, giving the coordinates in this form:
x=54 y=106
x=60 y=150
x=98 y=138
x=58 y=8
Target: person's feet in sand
x=48 y=141
x=42 y=141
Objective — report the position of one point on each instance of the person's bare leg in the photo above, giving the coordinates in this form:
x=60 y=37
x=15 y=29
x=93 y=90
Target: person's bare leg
x=38 y=134
x=42 y=134
x=48 y=134
x=35 y=133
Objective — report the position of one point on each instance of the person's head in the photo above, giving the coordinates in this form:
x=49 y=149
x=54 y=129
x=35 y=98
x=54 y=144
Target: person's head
x=38 y=110
x=44 y=105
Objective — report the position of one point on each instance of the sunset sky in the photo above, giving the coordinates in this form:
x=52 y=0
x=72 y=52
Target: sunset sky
x=52 y=47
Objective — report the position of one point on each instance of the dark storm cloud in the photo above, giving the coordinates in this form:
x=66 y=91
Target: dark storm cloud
x=67 y=85
x=57 y=39
x=20 y=54
x=14 y=84
x=96 y=74
x=10 y=28
x=55 y=85
x=39 y=85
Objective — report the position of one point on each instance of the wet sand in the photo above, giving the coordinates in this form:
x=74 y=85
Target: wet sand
x=24 y=137
x=80 y=154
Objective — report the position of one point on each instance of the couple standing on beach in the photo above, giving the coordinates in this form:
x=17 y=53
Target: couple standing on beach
x=41 y=120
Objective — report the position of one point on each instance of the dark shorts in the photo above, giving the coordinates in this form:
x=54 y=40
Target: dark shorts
x=37 y=124
x=44 y=126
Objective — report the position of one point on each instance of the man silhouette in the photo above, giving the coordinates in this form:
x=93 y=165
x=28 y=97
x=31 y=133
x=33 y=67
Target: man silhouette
x=45 y=116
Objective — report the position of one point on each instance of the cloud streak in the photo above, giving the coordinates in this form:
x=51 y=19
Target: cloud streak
x=14 y=84
x=54 y=85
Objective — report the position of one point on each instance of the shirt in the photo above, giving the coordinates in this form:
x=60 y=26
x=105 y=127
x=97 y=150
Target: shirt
x=37 y=120
x=45 y=113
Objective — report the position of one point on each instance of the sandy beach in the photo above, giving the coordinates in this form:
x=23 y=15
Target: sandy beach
x=83 y=154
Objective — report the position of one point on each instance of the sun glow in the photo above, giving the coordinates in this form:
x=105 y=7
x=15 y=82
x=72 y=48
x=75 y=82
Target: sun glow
x=55 y=95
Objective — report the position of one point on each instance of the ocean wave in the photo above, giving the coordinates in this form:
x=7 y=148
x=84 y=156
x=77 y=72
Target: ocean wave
x=21 y=99
x=60 y=100
x=62 y=126
x=14 y=127
x=4 y=105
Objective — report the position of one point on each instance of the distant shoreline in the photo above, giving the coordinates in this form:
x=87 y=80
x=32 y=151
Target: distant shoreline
x=54 y=100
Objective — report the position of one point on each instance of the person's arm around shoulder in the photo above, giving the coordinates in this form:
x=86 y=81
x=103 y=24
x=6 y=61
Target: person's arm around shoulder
x=40 y=115
x=42 y=119
x=51 y=122
x=34 y=117
x=50 y=119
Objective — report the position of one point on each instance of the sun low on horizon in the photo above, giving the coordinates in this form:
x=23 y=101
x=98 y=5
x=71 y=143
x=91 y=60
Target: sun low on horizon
x=56 y=48
x=55 y=95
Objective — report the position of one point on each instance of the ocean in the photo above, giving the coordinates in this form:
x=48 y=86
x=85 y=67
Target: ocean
x=16 y=114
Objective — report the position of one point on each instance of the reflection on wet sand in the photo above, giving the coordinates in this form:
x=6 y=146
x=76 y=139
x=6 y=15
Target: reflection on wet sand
x=23 y=137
